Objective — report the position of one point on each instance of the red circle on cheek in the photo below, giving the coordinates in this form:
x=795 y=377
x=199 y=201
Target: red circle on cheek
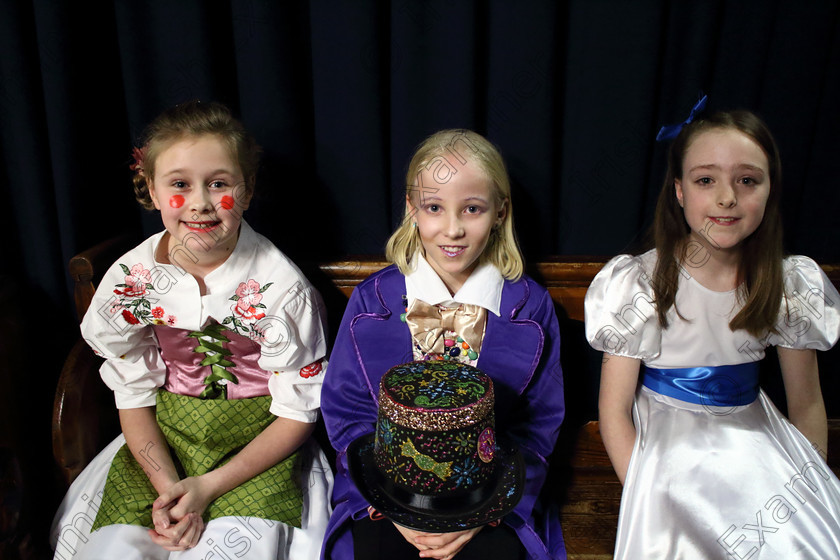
x=227 y=202
x=176 y=201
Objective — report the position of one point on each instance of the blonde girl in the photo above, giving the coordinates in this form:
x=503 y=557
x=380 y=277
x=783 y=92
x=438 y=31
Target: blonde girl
x=455 y=252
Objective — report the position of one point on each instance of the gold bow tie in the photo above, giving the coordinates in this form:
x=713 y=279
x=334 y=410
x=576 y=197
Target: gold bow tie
x=429 y=323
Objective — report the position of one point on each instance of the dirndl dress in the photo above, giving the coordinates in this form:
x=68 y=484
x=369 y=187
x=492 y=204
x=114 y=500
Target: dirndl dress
x=280 y=513
x=218 y=365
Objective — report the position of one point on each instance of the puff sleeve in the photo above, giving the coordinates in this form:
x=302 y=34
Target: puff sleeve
x=810 y=312
x=133 y=368
x=293 y=349
x=620 y=315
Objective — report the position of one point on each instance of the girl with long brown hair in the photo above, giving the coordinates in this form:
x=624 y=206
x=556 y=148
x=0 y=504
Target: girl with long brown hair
x=710 y=467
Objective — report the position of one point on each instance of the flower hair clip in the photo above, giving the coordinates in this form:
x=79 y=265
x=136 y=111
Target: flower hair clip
x=139 y=156
x=669 y=132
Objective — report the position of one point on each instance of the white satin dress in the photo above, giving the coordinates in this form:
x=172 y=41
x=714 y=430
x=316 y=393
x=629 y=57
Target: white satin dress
x=716 y=471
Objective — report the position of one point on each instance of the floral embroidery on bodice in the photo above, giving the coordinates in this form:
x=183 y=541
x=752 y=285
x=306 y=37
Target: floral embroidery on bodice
x=134 y=299
x=132 y=302
x=246 y=312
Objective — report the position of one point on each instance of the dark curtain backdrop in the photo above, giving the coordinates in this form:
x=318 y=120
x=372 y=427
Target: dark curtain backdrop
x=339 y=94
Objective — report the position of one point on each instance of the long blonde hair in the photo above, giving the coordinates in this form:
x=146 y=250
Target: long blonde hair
x=502 y=248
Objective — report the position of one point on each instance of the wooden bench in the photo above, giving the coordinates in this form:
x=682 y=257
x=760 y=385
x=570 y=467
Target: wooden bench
x=581 y=479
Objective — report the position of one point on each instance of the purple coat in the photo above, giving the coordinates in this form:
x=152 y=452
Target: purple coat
x=520 y=352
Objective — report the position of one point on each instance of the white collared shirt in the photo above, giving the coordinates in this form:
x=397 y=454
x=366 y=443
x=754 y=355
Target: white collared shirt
x=482 y=288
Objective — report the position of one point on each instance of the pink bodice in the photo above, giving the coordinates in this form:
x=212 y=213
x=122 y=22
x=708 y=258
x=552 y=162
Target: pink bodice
x=185 y=375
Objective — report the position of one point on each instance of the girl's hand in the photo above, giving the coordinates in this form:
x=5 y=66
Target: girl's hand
x=175 y=536
x=177 y=512
x=190 y=495
x=411 y=535
x=442 y=546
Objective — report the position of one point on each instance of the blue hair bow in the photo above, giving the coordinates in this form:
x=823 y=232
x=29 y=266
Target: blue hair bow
x=669 y=132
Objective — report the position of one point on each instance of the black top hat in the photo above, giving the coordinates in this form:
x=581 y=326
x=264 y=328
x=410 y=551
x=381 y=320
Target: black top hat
x=434 y=463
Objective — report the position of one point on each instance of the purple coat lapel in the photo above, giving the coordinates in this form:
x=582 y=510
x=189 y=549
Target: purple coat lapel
x=381 y=339
x=512 y=347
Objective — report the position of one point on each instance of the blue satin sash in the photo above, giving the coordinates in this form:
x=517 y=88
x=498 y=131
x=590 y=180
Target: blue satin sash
x=711 y=386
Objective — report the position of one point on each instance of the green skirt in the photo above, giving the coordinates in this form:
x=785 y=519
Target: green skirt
x=204 y=434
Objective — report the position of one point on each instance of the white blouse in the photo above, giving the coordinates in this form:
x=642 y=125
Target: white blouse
x=257 y=293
